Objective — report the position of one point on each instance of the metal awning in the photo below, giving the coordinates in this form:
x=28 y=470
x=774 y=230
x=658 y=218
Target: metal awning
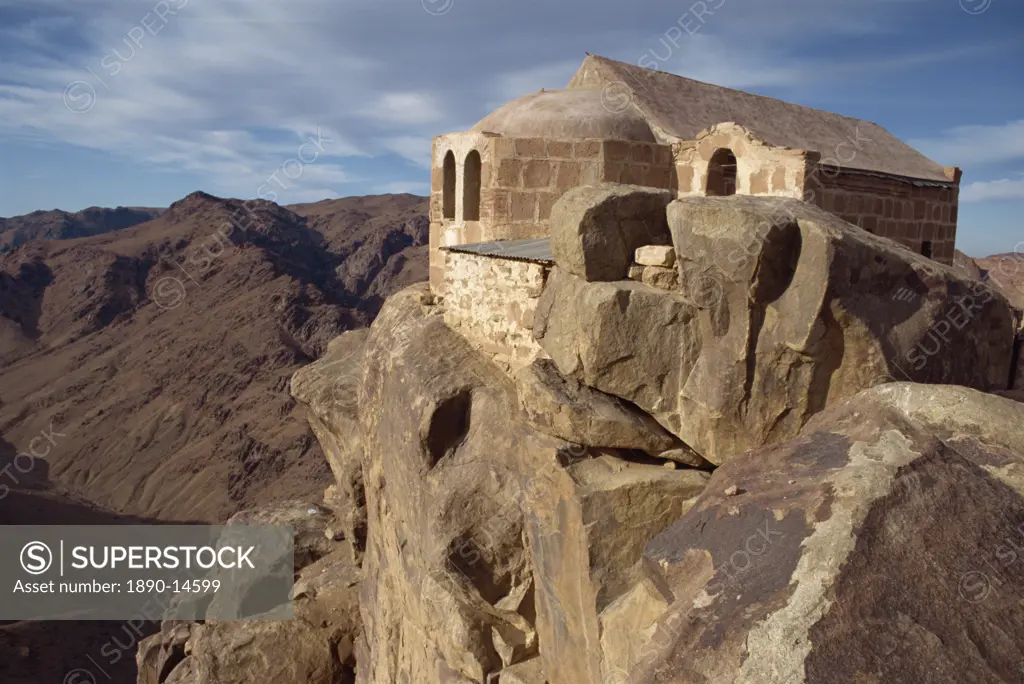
x=534 y=250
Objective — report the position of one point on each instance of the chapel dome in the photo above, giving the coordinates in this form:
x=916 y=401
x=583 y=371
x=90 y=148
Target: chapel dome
x=566 y=114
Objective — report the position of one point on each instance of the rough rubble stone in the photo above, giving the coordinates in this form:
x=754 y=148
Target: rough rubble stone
x=595 y=229
x=661 y=277
x=881 y=543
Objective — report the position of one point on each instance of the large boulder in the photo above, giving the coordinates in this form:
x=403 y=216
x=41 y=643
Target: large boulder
x=782 y=310
x=566 y=408
x=587 y=532
x=308 y=522
x=880 y=545
x=596 y=229
x=245 y=652
x=624 y=338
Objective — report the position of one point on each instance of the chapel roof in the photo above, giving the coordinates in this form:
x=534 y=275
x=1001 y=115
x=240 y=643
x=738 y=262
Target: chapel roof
x=680 y=108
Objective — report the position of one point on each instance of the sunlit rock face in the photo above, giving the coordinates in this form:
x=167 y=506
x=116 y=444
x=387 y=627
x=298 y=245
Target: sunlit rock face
x=781 y=310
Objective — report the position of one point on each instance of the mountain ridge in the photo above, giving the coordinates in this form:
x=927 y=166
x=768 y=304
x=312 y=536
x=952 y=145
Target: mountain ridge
x=163 y=350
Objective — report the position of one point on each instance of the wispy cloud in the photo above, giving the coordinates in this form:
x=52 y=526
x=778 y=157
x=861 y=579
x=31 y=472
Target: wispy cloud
x=415 y=149
x=1002 y=189
x=981 y=144
x=228 y=89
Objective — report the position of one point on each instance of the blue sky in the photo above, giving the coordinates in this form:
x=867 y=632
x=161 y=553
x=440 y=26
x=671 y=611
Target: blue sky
x=119 y=102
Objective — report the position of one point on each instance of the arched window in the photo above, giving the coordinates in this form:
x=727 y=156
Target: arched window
x=448 y=202
x=722 y=173
x=471 y=188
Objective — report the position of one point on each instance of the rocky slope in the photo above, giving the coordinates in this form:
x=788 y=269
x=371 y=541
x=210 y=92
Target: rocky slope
x=881 y=544
x=159 y=355
x=62 y=225
x=380 y=241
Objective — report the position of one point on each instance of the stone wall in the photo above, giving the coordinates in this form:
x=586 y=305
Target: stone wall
x=910 y=212
x=522 y=178
x=532 y=173
x=638 y=163
x=457 y=230
x=492 y=302
x=760 y=168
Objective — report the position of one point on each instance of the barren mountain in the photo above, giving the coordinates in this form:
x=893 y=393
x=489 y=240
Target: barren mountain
x=1004 y=272
x=157 y=357
x=60 y=225
x=380 y=240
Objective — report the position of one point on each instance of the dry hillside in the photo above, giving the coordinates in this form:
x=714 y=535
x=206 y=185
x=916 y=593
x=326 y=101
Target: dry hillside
x=160 y=354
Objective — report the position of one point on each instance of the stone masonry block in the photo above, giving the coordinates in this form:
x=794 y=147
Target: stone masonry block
x=530 y=147
x=659 y=177
x=510 y=173
x=545 y=201
x=633 y=174
x=569 y=175
x=587 y=149
x=560 y=149
x=779 y=178
x=591 y=174
x=537 y=174
x=642 y=153
x=524 y=206
x=656 y=255
x=617 y=150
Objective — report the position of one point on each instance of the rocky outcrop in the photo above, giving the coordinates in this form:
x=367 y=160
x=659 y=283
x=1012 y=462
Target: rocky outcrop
x=241 y=653
x=493 y=545
x=446 y=565
x=314 y=647
x=498 y=550
x=595 y=229
x=545 y=524
x=883 y=543
x=586 y=536
x=781 y=310
x=331 y=389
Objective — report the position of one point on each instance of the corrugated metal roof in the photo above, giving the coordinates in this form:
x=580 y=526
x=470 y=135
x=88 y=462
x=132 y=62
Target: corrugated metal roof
x=536 y=250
